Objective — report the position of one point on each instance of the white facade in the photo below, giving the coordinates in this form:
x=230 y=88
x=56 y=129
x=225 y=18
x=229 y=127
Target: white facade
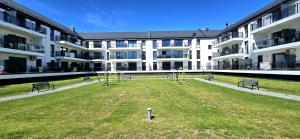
x=272 y=41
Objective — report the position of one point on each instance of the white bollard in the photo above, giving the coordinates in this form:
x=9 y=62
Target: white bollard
x=149 y=113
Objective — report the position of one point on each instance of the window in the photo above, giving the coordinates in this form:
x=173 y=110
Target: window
x=198 y=43
x=166 y=43
x=52 y=50
x=97 y=44
x=87 y=44
x=154 y=55
x=132 y=55
x=246 y=47
x=154 y=44
x=120 y=55
x=132 y=43
x=246 y=30
x=143 y=44
x=108 y=44
x=189 y=42
x=143 y=55
x=143 y=65
x=198 y=65
x=198 y=54
x=209 y=58
x=190 y=54
x=120 y=44
x=154 y=65
x=178 y=42
x=209 y=47
x=107 y=55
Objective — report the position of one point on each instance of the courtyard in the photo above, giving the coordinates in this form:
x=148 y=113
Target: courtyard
x=181 y=109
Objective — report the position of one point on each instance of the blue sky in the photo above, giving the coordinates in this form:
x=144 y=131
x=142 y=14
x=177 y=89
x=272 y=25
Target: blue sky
x=144 y=15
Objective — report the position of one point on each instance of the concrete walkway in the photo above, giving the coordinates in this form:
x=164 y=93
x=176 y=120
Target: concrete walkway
x=31 y=94
x=260 y=92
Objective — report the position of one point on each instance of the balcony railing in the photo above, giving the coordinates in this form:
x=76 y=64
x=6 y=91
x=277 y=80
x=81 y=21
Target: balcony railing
x=24 y=47
x=227 y=52
x=228 y=37
x=274 y=17
x=172 y=56
x=97 y=57
x=72 y=55
x=4 y=16
x=276 y=41
x=125 y=45
x=70 y=40
x=113 y=57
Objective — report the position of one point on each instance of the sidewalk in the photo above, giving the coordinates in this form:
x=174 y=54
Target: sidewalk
x=260 y=92
x=31 y=94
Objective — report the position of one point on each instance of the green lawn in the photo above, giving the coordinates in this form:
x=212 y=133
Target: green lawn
x=280 y=86
x=187 y=110
x=18 y=89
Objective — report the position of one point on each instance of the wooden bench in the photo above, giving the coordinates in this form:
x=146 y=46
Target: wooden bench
x=41 y=85
x=87 y=79
x=247 y=82
x=210 y=77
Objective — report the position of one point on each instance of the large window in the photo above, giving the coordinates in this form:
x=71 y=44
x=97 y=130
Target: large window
x=198 y=54
x=178 y=54
x=154 y=55
x=154 y=44
x=178 y=42
x=108 y=44
x=132 y=43
x=198 y=43
x=120 y=44
x=121 y=55
x=132 y=55
x=97 y=44
x=143 y=55
x=143 y=44
x=166 y=43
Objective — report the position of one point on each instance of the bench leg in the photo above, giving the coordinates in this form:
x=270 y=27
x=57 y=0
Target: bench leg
x=257 y=87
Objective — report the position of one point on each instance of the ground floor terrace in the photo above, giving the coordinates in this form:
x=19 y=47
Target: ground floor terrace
x=186 y=108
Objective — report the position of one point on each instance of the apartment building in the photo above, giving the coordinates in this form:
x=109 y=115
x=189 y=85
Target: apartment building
x=266 y=40
x=152 y=50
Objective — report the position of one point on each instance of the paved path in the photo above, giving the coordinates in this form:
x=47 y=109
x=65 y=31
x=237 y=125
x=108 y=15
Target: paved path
x=31 y=94
x=260 y=92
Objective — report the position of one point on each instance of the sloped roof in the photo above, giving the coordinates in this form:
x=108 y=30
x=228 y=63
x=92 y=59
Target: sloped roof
x=150 y=34
x=18 y=7
x=250 y=17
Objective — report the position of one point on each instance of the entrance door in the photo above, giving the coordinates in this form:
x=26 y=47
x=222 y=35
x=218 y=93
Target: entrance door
x=178 y=65
x=166 y=65
x=132 y=66
x=259 y=60
x=15 y=65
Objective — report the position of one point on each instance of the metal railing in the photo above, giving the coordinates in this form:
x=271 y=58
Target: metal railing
x=227 y=52
x=8 y=18
x=113 y=57
x=24 y=47
x=278 y=41
x=227 y=37
x=274 y=17
x=172 y=56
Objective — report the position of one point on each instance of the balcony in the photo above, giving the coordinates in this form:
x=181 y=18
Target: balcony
x=20 y=48
x=173 y=57
x=280 y=43
x=173 y=46
x=97 y=58
x=228 y=54
x=229 y=39
x=125 y=46
x=275 y=21
x=70 y=42
x=11 y=23
x=71 y=56
x=133 y=58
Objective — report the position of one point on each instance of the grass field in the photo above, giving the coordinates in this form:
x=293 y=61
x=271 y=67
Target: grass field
x=273 y=85
x=18 y=89
x=182 y=110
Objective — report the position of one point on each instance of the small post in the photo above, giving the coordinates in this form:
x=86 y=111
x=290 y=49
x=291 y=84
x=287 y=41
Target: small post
x=149 y=113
